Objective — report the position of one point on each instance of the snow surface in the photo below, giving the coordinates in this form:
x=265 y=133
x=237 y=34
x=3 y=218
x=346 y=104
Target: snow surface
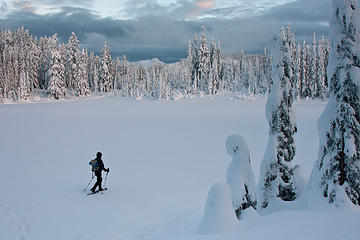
x=163 y=157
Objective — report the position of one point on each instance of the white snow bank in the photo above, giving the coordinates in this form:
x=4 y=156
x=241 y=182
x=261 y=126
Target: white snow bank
x=219 y=215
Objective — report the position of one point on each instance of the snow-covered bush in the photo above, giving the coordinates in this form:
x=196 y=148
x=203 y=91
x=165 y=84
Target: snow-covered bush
x=240 y=176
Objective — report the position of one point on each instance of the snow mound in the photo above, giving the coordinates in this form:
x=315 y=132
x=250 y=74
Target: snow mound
x=236 y=143
x=219 y=215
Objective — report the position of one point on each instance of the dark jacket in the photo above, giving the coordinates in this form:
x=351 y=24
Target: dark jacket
x=101 y=165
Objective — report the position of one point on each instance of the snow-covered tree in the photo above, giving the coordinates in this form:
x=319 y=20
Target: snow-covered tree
x=34 y=64
x=56 y=71
x=321 y=77
x=94 y=65
x=44 y=45
x=290 y=37
x=218 y=65
x=124 y=72
x=213 y=74
x=252 y=88
x=312 y=71
x=106 y=77
x=240 y=176
x=303 y=91
x=267 y=70
x=204 y=62
x=336 y=174
x=72 y=61
x=277 y=170
x=82 y=82
x=24 y=84
x=188 y=71
x=297 y=71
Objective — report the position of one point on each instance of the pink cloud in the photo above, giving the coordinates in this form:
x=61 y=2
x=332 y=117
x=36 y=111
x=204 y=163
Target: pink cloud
x=199 y=6
x=205 y=4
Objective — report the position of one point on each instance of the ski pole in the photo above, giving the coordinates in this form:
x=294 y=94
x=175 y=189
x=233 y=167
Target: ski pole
x=105 y=180
x=92 y=177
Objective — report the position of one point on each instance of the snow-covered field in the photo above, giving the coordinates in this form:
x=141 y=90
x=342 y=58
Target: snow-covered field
x=163 y=157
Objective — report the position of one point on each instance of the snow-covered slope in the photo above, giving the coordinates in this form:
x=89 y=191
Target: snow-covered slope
x=163 y=159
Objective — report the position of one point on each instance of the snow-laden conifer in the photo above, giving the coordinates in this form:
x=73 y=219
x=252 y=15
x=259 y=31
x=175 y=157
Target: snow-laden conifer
x=312 y=71
x=56 y=71
x=204 y=62
x=82 y=83
x=336 y=174
x=297 y=71
x=72 y=61
x=240 y=176
x=277 y=170
x=321 y=80
x=106 y=78
x=34 y=64
x=303 y=84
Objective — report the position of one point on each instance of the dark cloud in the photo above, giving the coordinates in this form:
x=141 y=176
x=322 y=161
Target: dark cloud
x=158 y=31
x=301 y=11
x=150 y=36
x=69 y=19
x=305 y=17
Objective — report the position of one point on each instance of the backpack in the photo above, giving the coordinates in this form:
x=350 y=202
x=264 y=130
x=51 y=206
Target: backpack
x=95 y=165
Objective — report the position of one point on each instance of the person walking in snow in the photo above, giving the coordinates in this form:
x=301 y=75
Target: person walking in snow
x=97 y=170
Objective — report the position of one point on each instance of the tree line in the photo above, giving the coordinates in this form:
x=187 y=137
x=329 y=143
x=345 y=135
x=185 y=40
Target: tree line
x=31 y=66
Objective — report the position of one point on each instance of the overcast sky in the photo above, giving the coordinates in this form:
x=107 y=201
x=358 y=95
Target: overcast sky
x=162 y=28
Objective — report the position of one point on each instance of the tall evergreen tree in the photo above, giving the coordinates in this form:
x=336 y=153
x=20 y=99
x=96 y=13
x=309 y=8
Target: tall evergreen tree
x=321 y=70
x=297 y=71
x=277 y=170
x=34 y=64
x=73 y=61
x=312 y=71
x=290 y=37
x=56 y=71
x=336 y=174
x=106 y=77
x=204 y=62
x=303 y=84
x=82 y=83
x=44 y=45
x=188 y=73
